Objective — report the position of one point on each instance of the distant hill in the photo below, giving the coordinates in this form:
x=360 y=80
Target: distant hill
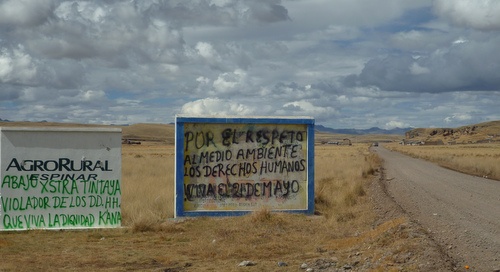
x=476 y=133
x=160 y=133
x=373 y=130
x=164 y=133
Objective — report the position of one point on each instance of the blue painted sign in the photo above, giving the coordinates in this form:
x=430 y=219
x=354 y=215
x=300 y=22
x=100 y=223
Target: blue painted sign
x=235 y=165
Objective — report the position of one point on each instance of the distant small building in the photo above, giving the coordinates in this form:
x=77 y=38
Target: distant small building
x=333 y=143
x=408 y=142
x=346 y=141
x=436 y=142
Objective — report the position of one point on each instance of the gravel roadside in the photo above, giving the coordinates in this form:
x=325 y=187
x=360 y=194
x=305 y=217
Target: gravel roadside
x=459 y=213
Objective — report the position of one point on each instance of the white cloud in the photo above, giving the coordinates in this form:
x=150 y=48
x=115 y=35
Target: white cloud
x=396 y=124
x=416 y=69
x=86 y=10
x=460 y=41
x=411 y=62
x=91 y=95
x=306 y=108
x=6 y=67
x=203 y=80
x=216 y=106
x=462 y=66
x=229 y=82
x=458 y=117
x=16 y=66
x=478 y=14
x=209 y=54
x=207 y=51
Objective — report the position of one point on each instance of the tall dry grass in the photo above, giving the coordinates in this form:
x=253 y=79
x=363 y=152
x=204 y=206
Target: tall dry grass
x=341 y=174
x=151 y=241
x=476 y=159
x=345 y=228
x=148 y=185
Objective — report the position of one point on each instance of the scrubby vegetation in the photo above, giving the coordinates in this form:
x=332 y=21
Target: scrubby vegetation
x=481 y=160
x=153 y=239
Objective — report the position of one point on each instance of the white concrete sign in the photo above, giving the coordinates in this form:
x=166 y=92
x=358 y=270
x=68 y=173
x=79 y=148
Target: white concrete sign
x=60 y=178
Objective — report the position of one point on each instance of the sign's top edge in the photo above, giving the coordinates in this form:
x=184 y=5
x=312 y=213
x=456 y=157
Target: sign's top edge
x=61 y=129
x=240 y=117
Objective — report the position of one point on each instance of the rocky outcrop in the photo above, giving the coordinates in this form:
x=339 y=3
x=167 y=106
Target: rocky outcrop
x=489 y=132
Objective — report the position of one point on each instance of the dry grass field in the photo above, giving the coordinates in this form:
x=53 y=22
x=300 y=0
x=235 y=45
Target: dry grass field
x=475 y=159
x=346 y=229
x=342 y=233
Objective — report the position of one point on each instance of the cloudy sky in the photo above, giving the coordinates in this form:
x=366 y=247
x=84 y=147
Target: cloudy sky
x=347 y=63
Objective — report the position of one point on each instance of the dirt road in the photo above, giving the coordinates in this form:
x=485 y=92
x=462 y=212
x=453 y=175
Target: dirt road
x=460 y=212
